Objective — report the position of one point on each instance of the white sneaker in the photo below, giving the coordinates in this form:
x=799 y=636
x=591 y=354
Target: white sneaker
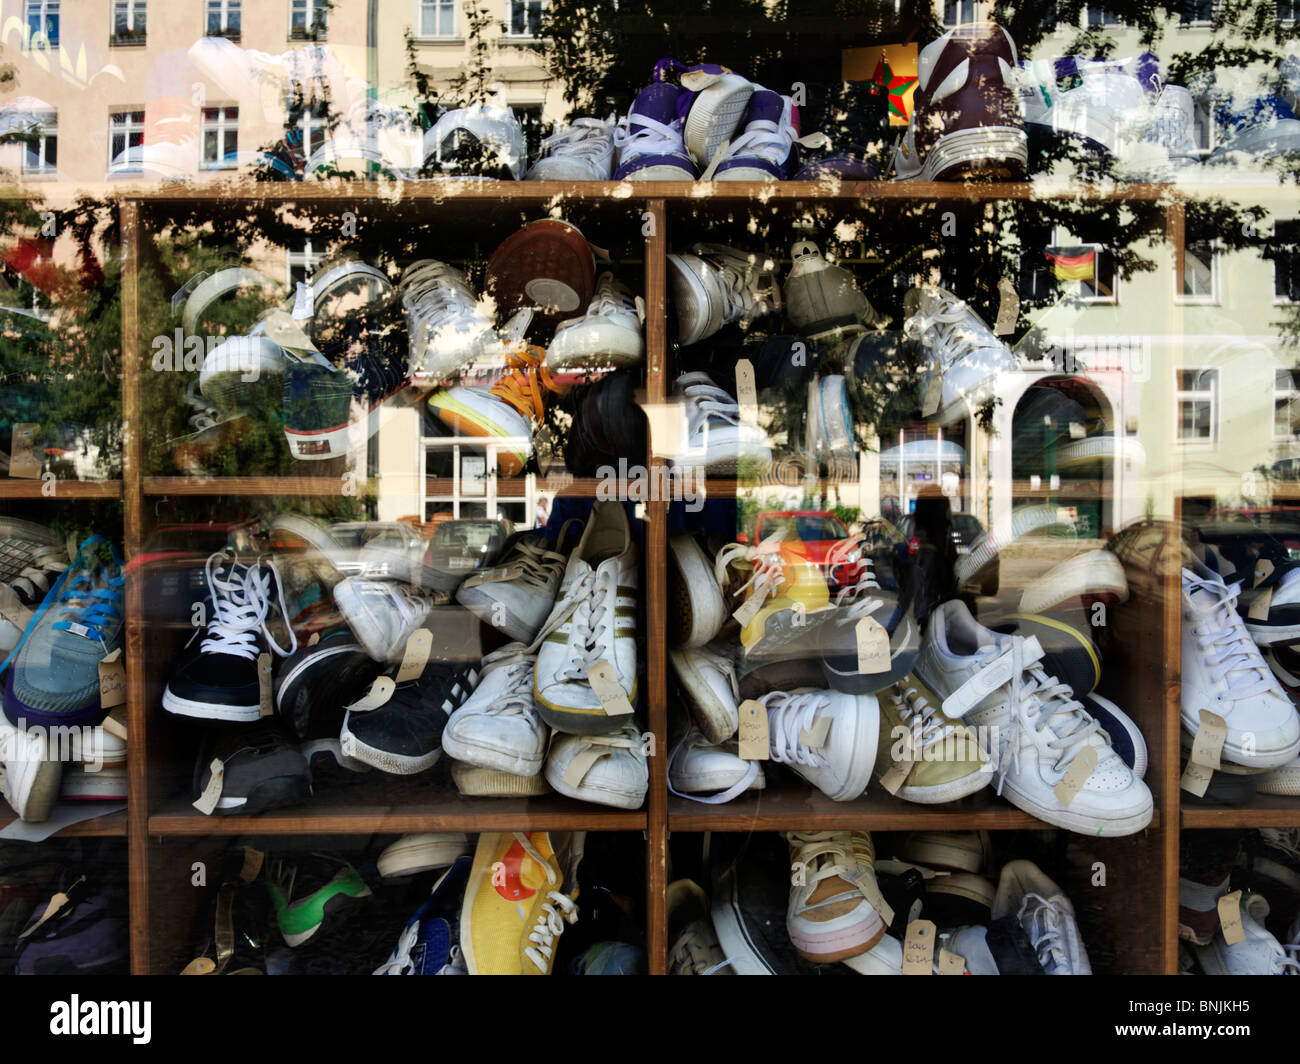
x=491 y=127
x=29 y=777
x=412 y=854
x=1259 y=953
x=840 y=767
x=381 y=613
x=1094 y=572
x=695 y=599
x=608 y=334
x=231 y=369
x=498 y=726
x=1046 y=916
x=829 y=917
x=822 y=301
x=449 y=329
x=714 y=285
x=717 y=440
x=708 y=680
x=711 y=773
x=516 y=595
x=580 y=151
x=1037 y=727
x=1224 y=672
x=593 y=621
x=694 y=948
x=605 y=769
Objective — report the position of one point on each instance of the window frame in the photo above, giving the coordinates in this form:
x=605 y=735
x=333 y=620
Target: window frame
x=129 y=128
x=224 y=6
x=1215 y=298
x=1111 y=300
x=1184 y=23
x=1293 y=395
x=303 y=258
x=310 y=10
x=510 y=15
x=976 y=8
x=223 y=124
x=420 y=35
x=134 y=38
x=44 y=9
x=48 y=129
x=1197 y=395
x=1104 y=12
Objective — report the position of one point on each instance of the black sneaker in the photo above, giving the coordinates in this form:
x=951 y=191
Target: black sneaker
x=404 y=735
x=607 y=424
x=261 y=769
x=316 y=682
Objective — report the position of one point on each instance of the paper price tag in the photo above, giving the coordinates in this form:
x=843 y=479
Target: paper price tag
x=604 y=682
x=265 y=701
x=918 y=948
x=416 y=655
x=200 y=966
x=379 y=692
x=754 y=742
x=212 y=792
x=56 y=903
x=252 y=864
x=115 y=723
x=22 y=455
x=1196 y=779
x=749 y=610
x=902 y=767
x=1008 y=308
x=1076 y=775
x=1263 y=570
x=581 y=764
x=315 y=638
x=1210 y=736
x=13 y=610
x=1230 y=918
x=1259 y=607
x=667 y=428
x=112 y=680
x=873 y=647
x=951 y=963
x=816 y=733
x=746 y=391
x=871 y=891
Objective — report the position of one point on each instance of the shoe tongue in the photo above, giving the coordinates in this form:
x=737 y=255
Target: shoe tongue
x=1201 y=592
x=658 y=102
x=764 y=106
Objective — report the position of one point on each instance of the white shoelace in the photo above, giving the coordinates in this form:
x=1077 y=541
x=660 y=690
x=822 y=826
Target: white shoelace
x=854 y=601
x=589 y=624
x=1226 y=645
x=922 y=716
x=695 y=740
x=539 y=567
x=951 y=331
x=240 y=604
x=787 y=716
x=1044 y=929
x=612 y=298
x=707 y=404
x=766 y=564
x=516 y=700
x=436 y=296
x=733 y=273
x=557 y=910
x=1287 y=840
x=648 y=138
x=692 y=953
x=584 y=138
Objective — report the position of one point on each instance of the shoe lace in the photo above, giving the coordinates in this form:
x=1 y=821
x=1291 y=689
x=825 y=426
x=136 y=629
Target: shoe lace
x=737 y=278
x=516 y=700
x=400 y=962
x=788 y=714
x=766 y=564
x=588 y=624
x=240 y=605
x=763 y=139
x=526 y=381
x=538 y=565
x=1225 y=644
x=1045 y=930
x=611 y=297
x=950 y=330
x=584 y=138
x=692 y=954
x=831 y=854
x=91 y=600
x=921 y=715
x=557 y=910
x=694 y=740
x=435 y=297
x=637 y=135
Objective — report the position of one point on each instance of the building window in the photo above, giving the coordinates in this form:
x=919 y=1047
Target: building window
x=220 y=137
x=128 y=22
x=1203 y=124
x=1286 y=10
x=1197 y=13
x=960 y=12
x=223 y=19
x=1099 y=15
x=41 y=151
x=307 y=19
x=1068 y=267
x=1286 y=404
x=312 y=129
x=43 y=19
x=525 y=18
x=300 y=265
x=1197 y=395
x=1199 y=273
x=437 y=18
x=1286 y=262
x=125 y=140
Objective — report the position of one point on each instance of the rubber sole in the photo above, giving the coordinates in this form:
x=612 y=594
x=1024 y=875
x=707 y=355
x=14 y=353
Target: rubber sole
x=696 y=600
x=184 y=707
x=714 y=116
x=1081 y=823
x=706 y=708
x=385 y=760
x=510 y=762
x=828 y=948
x=277 y=792
x=483 y=606
x=411 y=855
x=987 y=151
x=948 y=792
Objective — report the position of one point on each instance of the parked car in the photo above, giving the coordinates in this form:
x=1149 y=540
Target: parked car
x=967 y=533
x=458 y=548
x=818 y=531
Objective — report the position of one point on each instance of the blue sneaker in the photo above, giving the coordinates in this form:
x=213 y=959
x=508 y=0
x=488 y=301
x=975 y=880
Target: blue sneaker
x=430 y=942
x=53 y=673
x=649 y=140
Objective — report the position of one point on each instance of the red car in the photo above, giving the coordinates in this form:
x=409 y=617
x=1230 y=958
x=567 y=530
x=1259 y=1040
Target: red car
x=818 y=531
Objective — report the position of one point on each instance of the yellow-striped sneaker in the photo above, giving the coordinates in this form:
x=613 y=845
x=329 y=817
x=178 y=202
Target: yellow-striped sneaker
x=945 y=758
x=521 y=892
x=789 y=595
x=829 y=917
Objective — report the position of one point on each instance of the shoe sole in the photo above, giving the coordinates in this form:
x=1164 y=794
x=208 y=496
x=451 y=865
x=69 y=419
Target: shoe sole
x=408 y=857
x=661 y=172
x=1268 y=634
x=971 y=886
x=184 y=707
x=714 y=117
x=696 y=599
x=330 y=909
x=385 y=760
x=547 y=265
x=938 y=793
x=1236 y=754
x=829 y=947
x=475 y=781
x=994 y=152
x=936 y=853
x=574 y=721
x=41 y=790
x=618 y=799
x=595 y=345
x=317 y=445
x=1282 y=781
x=1083 y=824
x=277 y=792
x=469 y=422
x=709 y=712
x=480 y=756
x=688 y=290
x=741 y=951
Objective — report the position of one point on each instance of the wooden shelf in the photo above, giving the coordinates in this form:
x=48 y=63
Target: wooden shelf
x=112 y=825
x=63 y=489
x=1262 y=811
x=237 y=486
x=574 y=487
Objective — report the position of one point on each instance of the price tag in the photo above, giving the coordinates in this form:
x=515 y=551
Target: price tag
x=252 y=864
x=1210 y=736
x=754 y=742
x=1259 y=607
x=749 y=609
x=581 y=764
x=212 y=792
x=951 y=963
x=1076 y=775
x=873 y=646
x=379 y=692
x=56 y=903
x=1008 y=308
x=13 y=610
x=115 y=724
x=933 y=393
x=918 y=948
x=1230 y=918
x=902 y=766
x=200 y=966
x=112 y=680
x=315 y=638
x=265 y=703
x=604 y=682
x=746 y=391
x=1196 y=779
x=667 y=427
x=815 y=734
x=22 y=455
x=1263 y=570
x=871 y=891
x=416 y=655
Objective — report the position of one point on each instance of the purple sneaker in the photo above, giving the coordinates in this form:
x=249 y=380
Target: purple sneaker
x=87 y=935
x=649 y=139
x=764 y=150
x=711 y=106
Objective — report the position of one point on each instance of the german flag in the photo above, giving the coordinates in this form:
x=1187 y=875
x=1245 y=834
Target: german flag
x=1073 y=264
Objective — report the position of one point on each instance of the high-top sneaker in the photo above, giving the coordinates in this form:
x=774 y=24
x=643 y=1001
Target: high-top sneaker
x=315 y=682
x=498 y=726
x=966 y=118
x=717 y=439
x=712 y=104
x=449 y=329
x=484 y=140
x=216 y=677
x=823 y=301
x=764 y=147
x=238 y=373
x=546 y=266
x=839 y=761
x=580 y=151
x=382 y=614
x=830 y=918
x=593 y=621
x=610 y=333
x=854 y=119
x=649 y=138
x=507 y=411
x=714 y=285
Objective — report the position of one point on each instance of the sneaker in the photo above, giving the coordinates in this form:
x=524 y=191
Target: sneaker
x=29 y=777
x=884 y=958
x=516 y=596
x=1046 y=916
x=594 y=620
x=546 y=266
x=308 y=892
x=946 y=764
x=1261 y=127
x=260 y=770
x=786 y=598
x=1223 y=671
x=610 y=958
x=1283 y=781
x=383 y=614
x=81 y=930
x=1205 y=863
x=1000 y=948
x=840 y=764
x=707 y=677
x=459 y=548
x=714 y=102
x=1125 y=736
x=713 y=285
x=966 y=118
x=829 y=917
x=216 y=677
x=608 y=425
x=695 y=600
x=717 y=440
x=693 y=944
x=580 y=151
x=830 y=422
x=1259 y=953
x=498 y=726
x=243 y=371
x=449 y=328
x=412 y=854
x=82 y=783
x=506 y=412
x=430 y=941
x=1281 y=620
x=609 y=333
x=484 y=140
x=315 y=682
x=403 y=736
x=1069 y=653
x=822 y=301
x=605 y=769
x=956 y=851
x=962 y=351
x=764 y=145
x=511 y=920
x=854 y=118
x=28 y=554
x=1090 y=576
x=1039 y=726
x=711 y=773
x=649 y=139
x=53 y=674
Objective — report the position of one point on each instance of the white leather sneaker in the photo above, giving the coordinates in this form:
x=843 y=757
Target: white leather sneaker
x=381 y=613
x=718 y=440
x=605 y=769
x=609 y=333
x=498 y=726
x=1259 y=953
x=839 y=765
x=829 y=917
x=1046 y=915
x=708 y=680
x=711 y=773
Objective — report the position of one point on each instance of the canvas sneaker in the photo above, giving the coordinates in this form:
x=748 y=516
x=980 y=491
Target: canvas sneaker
x=511 y=920
x=29 y=776
x=546 y=267
x=515 y=597
x=946 y=763
x=498 y=726
x=412 y=854
x=261 y=769
x=216 y=677
x=1281 y=620
x=713 y=102
x=1036 y=726
x=310 y=891
x=966 y=117
x=383 y=614
x=242 y=370
x=717 y=439
x=1223 y=671
x=838 y=764
x=594 y=620
x=583 y=150
x=1045 y=914
x=1259 y=953
x=430 y=942
x=786 y=598
x=609 y=333
x=707 y=677
x=696 y=608
x=693 y=944
x=649 y=138
x=764 y=146
x=823 y=301
x=713 y=285
x=483 y=140
x=449 y=328
x=711 y=773
x=829 y=917
x=605 y=769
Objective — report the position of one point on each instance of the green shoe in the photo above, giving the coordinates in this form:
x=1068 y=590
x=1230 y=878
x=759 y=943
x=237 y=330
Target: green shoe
x=305 y=892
